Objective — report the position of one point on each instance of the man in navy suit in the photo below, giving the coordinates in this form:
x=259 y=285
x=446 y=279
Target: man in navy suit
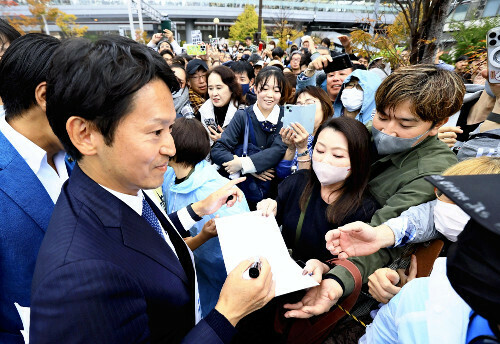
x=112 y=268
x=32 y=171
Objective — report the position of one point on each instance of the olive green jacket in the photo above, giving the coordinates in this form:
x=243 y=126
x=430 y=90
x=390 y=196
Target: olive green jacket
x=397 y=183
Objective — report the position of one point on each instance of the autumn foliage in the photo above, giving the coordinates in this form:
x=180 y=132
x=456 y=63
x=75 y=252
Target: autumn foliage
x=41 y=13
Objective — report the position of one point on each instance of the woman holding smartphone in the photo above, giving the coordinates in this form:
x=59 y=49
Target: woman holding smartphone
x=225 y=97
x=298 y=140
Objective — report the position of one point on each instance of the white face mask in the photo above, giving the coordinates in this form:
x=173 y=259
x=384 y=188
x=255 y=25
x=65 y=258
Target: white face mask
x=449 y=219
x=328 y=174
x=352 y=99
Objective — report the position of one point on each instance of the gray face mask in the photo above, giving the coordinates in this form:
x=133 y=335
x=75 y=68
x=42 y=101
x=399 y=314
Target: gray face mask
x=387 y=144
x=181 y=98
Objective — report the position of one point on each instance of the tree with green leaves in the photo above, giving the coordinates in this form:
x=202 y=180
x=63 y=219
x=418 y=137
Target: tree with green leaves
x=246 y=25
x=285 y=31
x=471 y=37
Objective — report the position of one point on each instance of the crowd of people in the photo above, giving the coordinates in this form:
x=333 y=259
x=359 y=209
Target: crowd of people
x=117 y=157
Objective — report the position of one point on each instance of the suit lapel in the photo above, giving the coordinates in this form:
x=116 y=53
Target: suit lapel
x=19 y=182
x=138 y=235
x=113 y=213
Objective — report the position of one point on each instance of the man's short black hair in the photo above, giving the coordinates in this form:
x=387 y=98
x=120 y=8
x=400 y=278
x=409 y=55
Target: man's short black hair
x=97 y=81
x=327 y=42
x=277 y=52
x=7 y=33
x=248 y=37
x=192 y=144
x=243 y=66
x=23 y=67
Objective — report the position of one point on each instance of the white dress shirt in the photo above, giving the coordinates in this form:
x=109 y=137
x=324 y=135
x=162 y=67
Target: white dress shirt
x=36 y=158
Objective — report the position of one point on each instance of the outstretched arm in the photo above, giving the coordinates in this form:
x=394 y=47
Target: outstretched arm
x=358 y=239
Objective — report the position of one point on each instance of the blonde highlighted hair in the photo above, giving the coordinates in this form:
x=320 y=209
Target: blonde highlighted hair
x=434 y=94
x=481 y=165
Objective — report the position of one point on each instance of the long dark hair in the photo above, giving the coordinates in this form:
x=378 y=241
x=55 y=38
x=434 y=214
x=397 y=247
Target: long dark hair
x=354 y=187
x=229 y=78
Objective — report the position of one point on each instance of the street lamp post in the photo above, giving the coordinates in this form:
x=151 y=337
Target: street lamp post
x=216 y=22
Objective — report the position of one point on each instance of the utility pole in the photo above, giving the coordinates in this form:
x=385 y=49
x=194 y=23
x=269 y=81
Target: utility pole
x=259 y=25
x=375 y=15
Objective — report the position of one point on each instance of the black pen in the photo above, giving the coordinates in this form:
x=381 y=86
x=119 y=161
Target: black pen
x=253 y=271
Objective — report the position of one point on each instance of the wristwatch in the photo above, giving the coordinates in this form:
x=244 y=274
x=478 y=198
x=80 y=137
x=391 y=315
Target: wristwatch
x=306 y=152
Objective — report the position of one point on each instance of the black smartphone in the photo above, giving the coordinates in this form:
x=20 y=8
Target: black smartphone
x=215 y=128
x=339 y=62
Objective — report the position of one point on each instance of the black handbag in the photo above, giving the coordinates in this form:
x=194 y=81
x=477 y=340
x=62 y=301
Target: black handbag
x=255 y=190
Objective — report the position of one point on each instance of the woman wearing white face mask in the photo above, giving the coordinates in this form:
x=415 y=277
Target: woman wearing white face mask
x=356 y=99
x=435 y=219
x=331 y=193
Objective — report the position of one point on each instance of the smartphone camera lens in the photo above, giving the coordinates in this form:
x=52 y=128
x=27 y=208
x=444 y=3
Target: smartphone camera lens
x=493 y=42
x=496 y=57
x=493 y=34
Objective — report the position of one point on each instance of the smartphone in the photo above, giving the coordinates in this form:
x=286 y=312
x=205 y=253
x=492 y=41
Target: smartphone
x=303 y=114
x=493 y=46
x=260 y=46
x=214 y=127
x=339 y=62
x=195 y=49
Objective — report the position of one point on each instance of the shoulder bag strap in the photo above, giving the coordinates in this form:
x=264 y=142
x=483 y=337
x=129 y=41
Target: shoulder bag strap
x=252 y=132
x=298 y=231
x=485 y=135
x=245 y=138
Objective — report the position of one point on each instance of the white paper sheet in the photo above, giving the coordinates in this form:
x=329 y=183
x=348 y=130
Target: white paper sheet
x=250 y=235
x=24 y=313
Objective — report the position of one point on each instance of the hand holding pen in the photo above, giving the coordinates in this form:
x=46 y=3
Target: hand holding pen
x=240 y=297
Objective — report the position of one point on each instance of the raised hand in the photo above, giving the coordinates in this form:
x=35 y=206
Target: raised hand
x=382 y=284
x=449 y=135
x=228 y=195
x=358 y=239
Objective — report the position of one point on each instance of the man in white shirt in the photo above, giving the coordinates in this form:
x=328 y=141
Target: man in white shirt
x=32 y=171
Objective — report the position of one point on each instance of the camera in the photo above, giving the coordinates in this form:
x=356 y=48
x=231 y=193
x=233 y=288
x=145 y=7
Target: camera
x=493 y=44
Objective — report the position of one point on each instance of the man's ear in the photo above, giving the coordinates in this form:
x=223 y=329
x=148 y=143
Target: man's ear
x=83 y=135
x=434 y=129
x=41 y=95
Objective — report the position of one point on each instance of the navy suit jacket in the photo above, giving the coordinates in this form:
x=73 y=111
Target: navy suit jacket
x=25 y=210
x=103 y=275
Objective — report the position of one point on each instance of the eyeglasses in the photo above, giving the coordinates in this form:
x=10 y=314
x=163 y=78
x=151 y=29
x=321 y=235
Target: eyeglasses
x=309 y=101
x=198 y=77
